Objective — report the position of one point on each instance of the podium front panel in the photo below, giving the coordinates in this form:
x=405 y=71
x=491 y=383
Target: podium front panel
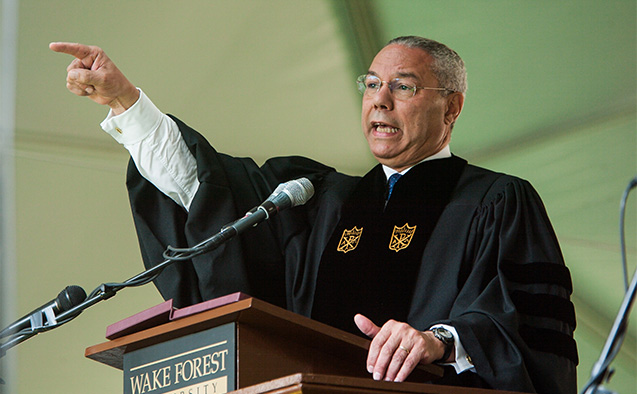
x=203 y=362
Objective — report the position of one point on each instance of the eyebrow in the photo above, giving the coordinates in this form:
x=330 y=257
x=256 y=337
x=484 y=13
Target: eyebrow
x=400 y=75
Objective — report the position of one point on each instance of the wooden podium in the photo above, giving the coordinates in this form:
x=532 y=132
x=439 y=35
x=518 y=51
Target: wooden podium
x=242 y=343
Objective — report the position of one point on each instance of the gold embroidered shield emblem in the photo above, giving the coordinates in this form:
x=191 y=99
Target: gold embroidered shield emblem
x=401 y=237
x=349 y=240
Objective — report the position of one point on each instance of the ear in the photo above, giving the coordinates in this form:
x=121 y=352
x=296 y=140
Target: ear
x=455 y=101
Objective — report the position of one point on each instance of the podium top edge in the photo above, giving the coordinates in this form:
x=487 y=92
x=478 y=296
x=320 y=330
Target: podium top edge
x=249 y=311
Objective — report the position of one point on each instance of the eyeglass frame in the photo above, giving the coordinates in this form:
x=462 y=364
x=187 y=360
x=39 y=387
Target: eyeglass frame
x=363 y=88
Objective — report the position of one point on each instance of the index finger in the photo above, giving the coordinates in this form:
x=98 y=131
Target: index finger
x=80 y=51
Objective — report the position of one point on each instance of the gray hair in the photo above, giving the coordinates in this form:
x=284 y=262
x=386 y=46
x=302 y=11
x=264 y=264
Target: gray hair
x=447 y=66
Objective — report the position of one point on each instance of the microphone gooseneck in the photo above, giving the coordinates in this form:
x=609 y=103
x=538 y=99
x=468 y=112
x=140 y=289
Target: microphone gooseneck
x=71 y=301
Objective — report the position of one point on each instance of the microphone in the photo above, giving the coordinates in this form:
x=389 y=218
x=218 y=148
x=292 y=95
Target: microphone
x=287 y=195
x=68 y=298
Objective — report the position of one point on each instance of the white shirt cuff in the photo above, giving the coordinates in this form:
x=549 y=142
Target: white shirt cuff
x=134 y=124
x=463 y=360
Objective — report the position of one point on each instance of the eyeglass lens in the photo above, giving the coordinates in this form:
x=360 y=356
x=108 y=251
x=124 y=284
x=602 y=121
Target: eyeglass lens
x=370 y=84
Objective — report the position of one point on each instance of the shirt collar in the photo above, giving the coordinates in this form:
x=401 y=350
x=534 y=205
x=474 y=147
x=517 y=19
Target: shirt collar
x=442 y=154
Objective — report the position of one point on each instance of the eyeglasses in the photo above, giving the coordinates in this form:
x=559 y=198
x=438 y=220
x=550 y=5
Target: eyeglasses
x=399 y=88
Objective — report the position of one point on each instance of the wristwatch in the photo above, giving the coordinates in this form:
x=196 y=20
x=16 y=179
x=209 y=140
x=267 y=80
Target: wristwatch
x=446 y=337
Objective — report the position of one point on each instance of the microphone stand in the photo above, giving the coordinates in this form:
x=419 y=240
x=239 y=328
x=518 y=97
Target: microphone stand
x=108 y=290
x=286 y=195
x=600 y=371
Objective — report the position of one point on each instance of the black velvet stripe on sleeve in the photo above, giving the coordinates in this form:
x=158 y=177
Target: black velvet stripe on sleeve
x=532 y=273
x=545 y=305
x=550 y=341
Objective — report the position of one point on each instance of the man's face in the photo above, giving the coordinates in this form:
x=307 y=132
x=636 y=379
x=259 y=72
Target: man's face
x=401 y=133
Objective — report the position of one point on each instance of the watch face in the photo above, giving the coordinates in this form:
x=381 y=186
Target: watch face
x=444 y=335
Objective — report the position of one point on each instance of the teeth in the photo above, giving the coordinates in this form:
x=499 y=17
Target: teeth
x=385 y=129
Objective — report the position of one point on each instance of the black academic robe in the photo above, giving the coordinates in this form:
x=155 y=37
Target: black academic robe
x=489 y=263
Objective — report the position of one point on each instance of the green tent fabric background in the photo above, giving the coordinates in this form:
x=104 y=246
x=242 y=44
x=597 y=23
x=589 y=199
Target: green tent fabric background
x=552 y=98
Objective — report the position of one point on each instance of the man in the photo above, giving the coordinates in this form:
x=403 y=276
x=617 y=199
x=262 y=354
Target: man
x=456 y=264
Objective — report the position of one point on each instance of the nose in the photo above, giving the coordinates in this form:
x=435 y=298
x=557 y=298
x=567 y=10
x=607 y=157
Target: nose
x=383 y=98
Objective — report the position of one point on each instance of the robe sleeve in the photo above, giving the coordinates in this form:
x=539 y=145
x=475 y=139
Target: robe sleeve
x=252 y=263
x=513 y=311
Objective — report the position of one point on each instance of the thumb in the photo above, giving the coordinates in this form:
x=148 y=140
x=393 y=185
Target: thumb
x=366 y=326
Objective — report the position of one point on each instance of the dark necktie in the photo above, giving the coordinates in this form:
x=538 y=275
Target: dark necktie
x=390 y=184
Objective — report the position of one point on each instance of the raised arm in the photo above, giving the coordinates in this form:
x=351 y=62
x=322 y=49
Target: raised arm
x=152 y=138
x=93 y=74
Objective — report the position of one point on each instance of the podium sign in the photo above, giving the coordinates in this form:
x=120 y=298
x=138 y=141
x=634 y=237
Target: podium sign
x=203 y=362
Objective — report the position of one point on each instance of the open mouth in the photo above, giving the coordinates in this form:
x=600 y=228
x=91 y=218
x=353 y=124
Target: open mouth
x=381 y=127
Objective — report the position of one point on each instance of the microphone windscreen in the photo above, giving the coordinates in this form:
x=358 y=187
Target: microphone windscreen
x=69 y=297
x=300 y=191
